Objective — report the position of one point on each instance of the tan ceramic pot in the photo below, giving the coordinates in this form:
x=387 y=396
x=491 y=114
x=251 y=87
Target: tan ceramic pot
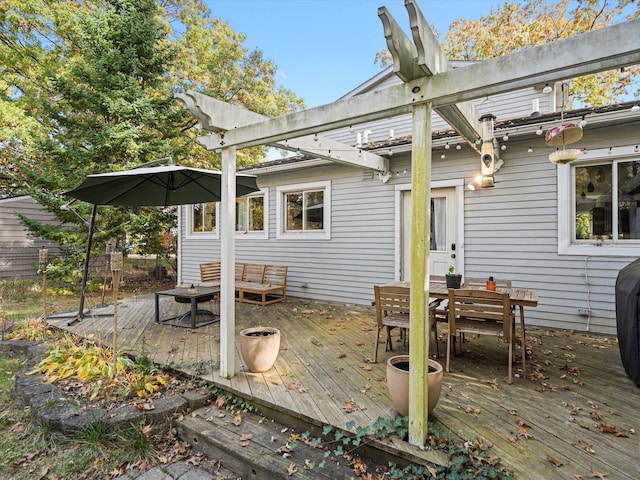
x=398 y=383
x=259 y=347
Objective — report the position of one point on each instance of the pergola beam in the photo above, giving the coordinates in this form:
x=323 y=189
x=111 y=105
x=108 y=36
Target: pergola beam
x=424 y=58
x=216 y=116
x=614 y=47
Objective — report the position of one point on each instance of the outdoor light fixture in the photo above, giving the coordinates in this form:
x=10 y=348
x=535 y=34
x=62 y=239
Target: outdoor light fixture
x=481 y=181
x=539 y=131
x=547 y=88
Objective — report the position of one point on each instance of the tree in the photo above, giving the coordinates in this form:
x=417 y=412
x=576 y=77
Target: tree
x=88 y=87
x=518 y=25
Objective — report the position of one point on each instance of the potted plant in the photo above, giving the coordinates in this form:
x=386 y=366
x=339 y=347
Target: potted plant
x=453 y=279
x=398 y=383
x=259 y=347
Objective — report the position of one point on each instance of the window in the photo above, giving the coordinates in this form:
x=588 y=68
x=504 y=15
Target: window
x=251 y=215
x=304 y=211
x=603 y=206
x=204 y=218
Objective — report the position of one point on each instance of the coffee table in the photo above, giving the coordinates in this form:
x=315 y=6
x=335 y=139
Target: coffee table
x=183 y=295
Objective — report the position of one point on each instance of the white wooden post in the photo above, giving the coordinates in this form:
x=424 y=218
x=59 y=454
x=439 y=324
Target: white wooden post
x=420 y=232
x=227 y=263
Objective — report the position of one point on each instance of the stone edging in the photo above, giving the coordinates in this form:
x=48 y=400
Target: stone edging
x=51 y=408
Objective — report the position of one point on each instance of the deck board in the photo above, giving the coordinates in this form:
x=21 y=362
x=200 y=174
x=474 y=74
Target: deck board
x=324 y=363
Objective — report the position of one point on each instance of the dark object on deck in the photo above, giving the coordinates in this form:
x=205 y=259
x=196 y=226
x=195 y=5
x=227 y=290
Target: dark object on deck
x=628 y=319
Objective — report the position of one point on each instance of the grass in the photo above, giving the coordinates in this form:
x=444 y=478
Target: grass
x=32 y=451
x=22 y=299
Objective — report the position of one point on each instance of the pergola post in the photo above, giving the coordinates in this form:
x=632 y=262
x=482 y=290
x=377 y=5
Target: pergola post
x=420 y=236
x=227 y=263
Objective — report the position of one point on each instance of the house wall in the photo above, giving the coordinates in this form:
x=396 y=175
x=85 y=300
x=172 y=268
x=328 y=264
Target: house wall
x=18 y=249
x=511 y=231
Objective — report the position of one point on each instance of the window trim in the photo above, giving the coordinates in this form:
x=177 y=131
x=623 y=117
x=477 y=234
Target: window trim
x=264 y=234
x=566 y=206
x=325 y=233
x=190 y=234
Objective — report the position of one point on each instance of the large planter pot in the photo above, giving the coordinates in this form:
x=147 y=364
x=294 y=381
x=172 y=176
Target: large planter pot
x=453 y=280
x=259 y=347
x=398 y=383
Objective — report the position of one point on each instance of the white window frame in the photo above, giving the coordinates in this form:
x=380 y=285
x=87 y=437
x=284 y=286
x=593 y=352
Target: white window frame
x=190 y=234
x=240 y=234
x=566 y=206
x=325 y=233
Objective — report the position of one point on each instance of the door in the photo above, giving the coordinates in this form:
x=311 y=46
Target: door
x=443 y=232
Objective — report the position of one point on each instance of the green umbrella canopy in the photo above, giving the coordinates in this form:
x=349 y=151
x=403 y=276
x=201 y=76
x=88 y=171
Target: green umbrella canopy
x=158 y=186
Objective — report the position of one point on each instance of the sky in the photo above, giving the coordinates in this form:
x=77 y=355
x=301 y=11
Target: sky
x=323 y=49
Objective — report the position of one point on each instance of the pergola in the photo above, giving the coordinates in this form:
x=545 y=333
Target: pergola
x=429 y=83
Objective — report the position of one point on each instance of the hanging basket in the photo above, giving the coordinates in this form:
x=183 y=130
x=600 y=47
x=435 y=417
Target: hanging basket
x=564 y=134
x=564 y=155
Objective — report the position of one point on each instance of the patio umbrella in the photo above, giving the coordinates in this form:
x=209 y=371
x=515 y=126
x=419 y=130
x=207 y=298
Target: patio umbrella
x=158 y=186
x=152 y=186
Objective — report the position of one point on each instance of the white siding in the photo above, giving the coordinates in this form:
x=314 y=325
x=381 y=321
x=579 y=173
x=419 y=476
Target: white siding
x=510 y=232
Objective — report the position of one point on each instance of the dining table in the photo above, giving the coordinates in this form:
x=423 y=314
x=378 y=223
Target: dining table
x=519 y=297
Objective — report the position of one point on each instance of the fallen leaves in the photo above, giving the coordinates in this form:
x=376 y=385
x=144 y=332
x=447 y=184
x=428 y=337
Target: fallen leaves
x=237 y=420
x=608 y=428
x=599 y=475
x=291 y=469
x=244 y=439
x=586 y=447
x=350 y=406
x=553 y=460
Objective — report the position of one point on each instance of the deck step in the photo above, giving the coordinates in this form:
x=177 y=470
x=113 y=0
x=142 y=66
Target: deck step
x=256 y=457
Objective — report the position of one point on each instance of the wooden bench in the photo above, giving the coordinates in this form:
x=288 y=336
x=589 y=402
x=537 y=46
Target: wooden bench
x=254 y=283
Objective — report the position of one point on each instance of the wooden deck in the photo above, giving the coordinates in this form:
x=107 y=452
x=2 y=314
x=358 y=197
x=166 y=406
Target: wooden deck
x=575 y=415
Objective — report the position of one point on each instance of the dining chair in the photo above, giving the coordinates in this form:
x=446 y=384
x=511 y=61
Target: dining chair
x=482 y=312
x=439 y=311
x=392 y=310
x=393 y=304
x=479 y=282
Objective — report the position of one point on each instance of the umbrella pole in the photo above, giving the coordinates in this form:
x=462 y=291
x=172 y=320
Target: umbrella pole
x=85 y=271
